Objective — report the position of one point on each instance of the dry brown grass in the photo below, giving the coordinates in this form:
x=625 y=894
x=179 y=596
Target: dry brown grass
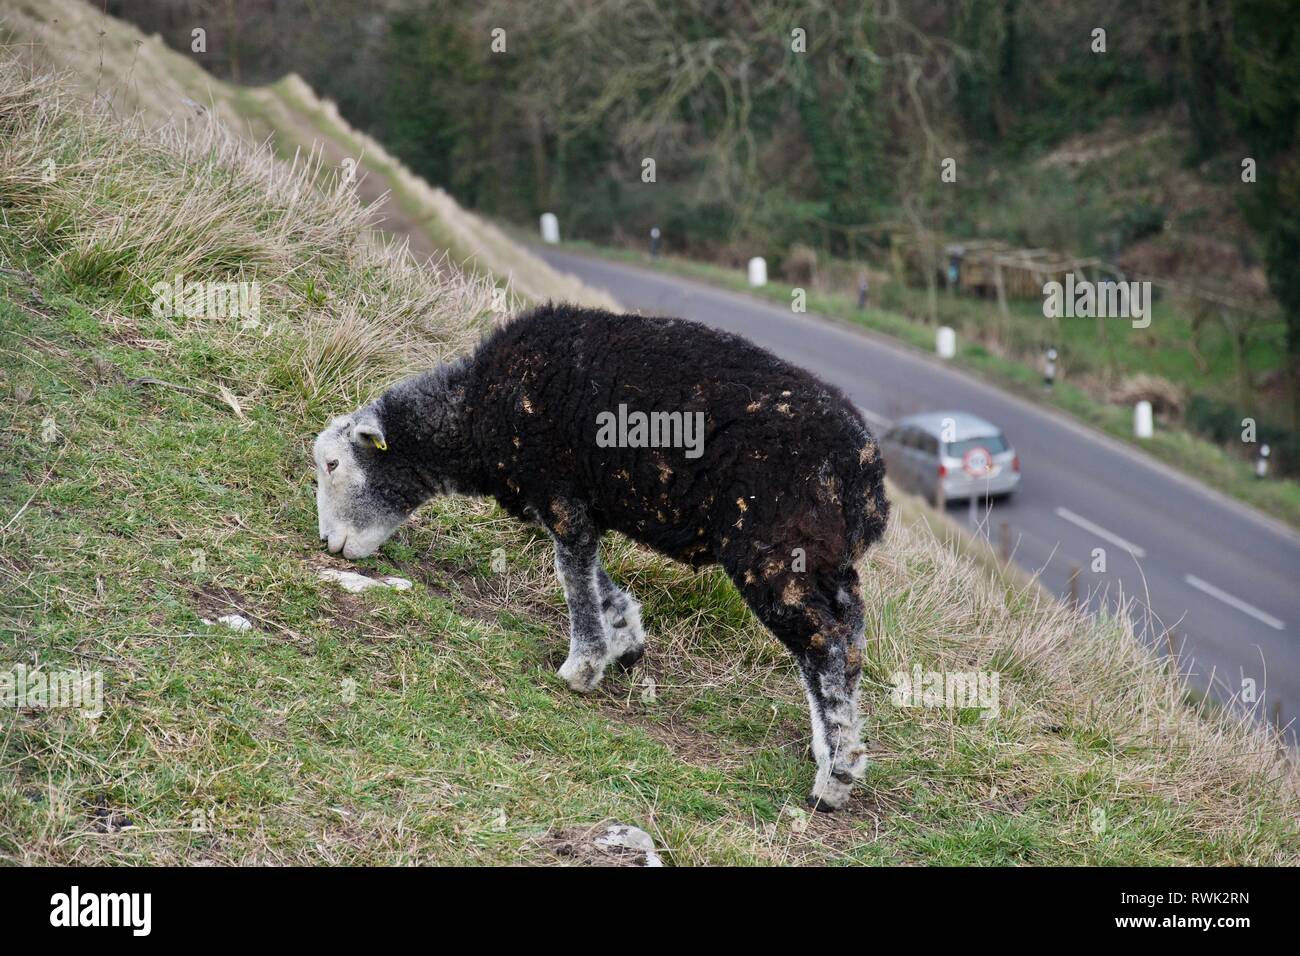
x=110 y=63
x=122 y=206
x=473 y=241
x=123 y=72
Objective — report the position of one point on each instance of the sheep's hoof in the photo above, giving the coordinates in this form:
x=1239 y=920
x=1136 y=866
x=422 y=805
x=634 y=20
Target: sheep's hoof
x=629 y=659
x=832 y=788
x=821 y=806
x=581 y=675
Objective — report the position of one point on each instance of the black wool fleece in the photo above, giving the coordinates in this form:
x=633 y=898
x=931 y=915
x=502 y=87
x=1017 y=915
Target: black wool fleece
x=785 y=460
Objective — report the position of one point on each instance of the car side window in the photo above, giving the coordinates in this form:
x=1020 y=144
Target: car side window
x=929 y=444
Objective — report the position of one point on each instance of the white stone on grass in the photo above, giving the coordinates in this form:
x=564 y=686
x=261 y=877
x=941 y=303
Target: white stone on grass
x=236 y=622
x=620 y=835
x=356 y=583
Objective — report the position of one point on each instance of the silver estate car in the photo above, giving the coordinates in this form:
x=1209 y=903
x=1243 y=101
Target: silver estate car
x=975 y=460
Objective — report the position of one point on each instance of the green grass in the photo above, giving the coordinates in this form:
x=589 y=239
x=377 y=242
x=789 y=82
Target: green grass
x=457 y=743
x=1168 y=357
x=455 y=718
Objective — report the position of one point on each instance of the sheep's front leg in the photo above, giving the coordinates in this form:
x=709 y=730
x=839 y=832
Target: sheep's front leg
x=832 y=690
x=623 y=616
x=589 y=646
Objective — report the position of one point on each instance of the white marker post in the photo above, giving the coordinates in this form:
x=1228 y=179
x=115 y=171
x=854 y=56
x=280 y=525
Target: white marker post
x=1143 y=423
x=945 y=342
x=1261 y=463
x=550 y=228
x=757 y=271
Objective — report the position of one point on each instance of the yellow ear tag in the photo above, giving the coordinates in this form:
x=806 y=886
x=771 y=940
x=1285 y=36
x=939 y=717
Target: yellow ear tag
x=379 y=443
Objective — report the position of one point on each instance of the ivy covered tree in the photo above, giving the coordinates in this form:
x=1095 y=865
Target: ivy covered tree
x=1265 y=50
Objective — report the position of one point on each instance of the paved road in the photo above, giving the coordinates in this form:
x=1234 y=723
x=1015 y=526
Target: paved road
x=1224 y=579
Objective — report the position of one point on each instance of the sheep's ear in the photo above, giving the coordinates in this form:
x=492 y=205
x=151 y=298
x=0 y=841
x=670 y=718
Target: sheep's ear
x=368 y=429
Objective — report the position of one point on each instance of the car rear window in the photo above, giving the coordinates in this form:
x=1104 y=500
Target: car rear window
x=994 y=443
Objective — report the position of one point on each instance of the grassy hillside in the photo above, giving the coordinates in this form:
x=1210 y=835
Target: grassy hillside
x=127 y=73
x=154 y=473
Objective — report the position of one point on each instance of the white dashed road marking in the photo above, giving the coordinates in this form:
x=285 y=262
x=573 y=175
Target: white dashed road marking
x=1236 y=602
x=1100 y=532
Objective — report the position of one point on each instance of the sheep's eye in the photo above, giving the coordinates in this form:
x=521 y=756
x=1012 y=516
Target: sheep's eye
x=331 y=465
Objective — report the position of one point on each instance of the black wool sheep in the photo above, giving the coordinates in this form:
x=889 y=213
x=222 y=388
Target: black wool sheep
x=692 y=441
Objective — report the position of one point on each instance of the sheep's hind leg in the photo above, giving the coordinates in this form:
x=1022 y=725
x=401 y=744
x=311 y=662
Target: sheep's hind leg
x=589 y=646
x=824 y=631
x=622 y=614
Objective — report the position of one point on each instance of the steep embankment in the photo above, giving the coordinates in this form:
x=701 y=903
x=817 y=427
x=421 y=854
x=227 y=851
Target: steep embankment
x=129 y=73
x=154 y=475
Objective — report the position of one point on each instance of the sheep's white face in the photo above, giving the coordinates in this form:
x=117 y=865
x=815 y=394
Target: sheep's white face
x=353 y=519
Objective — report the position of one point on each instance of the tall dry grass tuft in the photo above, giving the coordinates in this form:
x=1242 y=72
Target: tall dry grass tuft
x=108 y=61
x=119 y=207
x=350 y=353
x=1068 y=676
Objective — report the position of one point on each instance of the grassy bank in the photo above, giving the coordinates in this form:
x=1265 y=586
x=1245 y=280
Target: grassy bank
x=1201 y=459
x=130 y=74
x=156 y=474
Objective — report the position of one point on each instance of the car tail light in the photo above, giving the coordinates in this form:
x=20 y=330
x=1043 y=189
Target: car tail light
x=1015 y=464
x=943 y=470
